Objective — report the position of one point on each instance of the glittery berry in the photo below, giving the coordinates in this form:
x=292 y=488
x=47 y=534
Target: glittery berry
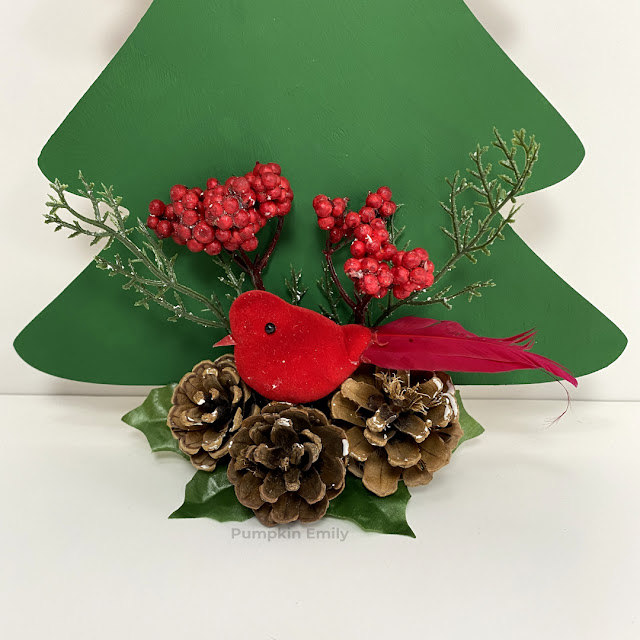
x=385 y=193
x=323 y=209
x=326 y=223
x=213 y=248
x=156 y=207
x=374 y=200
x=203 y=233
x=358 y=249
x=163 y=229
x=177 y=192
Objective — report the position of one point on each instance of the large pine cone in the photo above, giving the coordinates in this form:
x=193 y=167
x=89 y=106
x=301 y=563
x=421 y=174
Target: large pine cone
x=209 y=405
x=405 y=426
x=287 y=463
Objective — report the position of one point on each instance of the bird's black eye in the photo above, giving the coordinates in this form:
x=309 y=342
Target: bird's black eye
x=270 y=328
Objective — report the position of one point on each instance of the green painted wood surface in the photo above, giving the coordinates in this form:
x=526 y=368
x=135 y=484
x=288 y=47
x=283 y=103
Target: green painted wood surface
x=346 y=95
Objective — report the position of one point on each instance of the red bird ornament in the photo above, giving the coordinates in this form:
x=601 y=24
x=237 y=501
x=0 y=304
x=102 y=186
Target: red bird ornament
x=293 y=354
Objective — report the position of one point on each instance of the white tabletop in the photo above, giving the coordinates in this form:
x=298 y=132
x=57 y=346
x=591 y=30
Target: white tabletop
x=531 y=532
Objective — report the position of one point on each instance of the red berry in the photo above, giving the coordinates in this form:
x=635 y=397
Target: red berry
x=284 y=183
x=231 y=246
x=381 y=235
x=178 y=240
x=370 y=284
x=230 y=205
x=336 y=234
x=261 y=197
x=326 y=223
x=258 y=187
x=241 y=219
x=211 y=183
x=190 y=217
x=241 y=185
x=421 y=253
x=358 y=249
x=190 y=200
x=152 y=222
x=430 y=279
x=224 y=235
x=164 y=229
x=177 y=192
x=400 y=275
x=370 y=265
x=183 y=232
x=401 y=292
x=388 y=251
x=274 y=167
x=246 y=233
x=268 y=209
x=387 y=209
x=411 y=260
x=378 y=223
x=339 y=206
x=323 y=209
x=362 y=232
x=385 y=277
x=419 y=276
x=213 y=248
x=319 y=198
x=218 y=192
x=429 y=266
x=198 y=191
x=156 y=207
x=374 y=200
x=353 y=268
x=170 y=213
x=277 y=194
x=284 y=208
x=203 y=233
x=352 y=220
x=269 y=180
x=367 y=214
x=214 y=211
x=372 y=246
x=250 y=245
x=385 y=192
x=381 y=293
x=397 y=258
x=194 y=245
x=224 y=222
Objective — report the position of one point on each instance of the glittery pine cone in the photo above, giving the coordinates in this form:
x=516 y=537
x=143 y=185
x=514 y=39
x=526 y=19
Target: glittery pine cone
x=405 y=426
x=209 y=404
x=287 y=463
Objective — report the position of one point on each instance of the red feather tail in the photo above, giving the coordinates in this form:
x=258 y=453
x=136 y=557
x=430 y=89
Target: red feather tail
x=433 y=345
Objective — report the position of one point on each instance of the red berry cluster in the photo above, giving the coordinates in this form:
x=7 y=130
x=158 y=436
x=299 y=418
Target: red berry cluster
x=226 y=215
x=376 y=264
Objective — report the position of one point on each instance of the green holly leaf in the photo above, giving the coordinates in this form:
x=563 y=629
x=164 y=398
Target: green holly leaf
x=471 y=427
x=370 y=512
x=211 y=495
x=151 y=418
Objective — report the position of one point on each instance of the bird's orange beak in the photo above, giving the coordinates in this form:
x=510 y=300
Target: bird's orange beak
x=227 y=341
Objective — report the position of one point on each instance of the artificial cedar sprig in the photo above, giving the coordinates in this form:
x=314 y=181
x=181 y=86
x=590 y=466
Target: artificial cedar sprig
x=495 y=193
x=158 y=283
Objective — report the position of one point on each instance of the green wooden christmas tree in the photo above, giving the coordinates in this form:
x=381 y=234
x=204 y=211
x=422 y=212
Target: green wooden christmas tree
x=346 y=96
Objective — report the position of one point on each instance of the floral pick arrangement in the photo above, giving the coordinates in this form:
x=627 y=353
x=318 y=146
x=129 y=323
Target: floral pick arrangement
x=309 y=416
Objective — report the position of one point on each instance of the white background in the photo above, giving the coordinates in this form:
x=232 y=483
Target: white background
x=531 y=532
x=582 y=55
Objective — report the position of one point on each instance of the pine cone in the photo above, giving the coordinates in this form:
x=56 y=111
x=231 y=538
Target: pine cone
x=287 y=463
x=209 y=405
x=400 y=431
